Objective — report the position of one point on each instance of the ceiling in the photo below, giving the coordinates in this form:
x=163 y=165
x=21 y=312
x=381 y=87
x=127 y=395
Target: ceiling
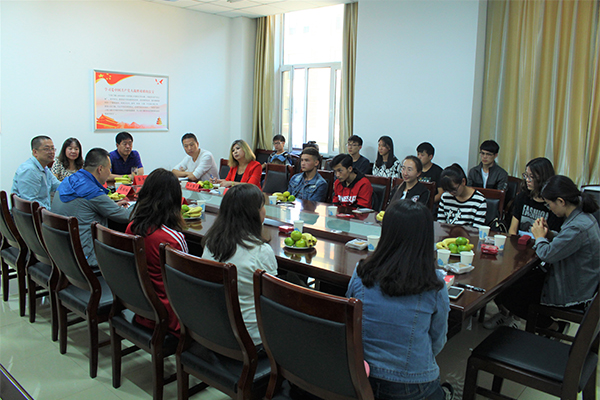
x=249 y=8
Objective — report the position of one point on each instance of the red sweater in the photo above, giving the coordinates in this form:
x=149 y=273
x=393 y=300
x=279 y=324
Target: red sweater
x=251 y=175
x=358 y=193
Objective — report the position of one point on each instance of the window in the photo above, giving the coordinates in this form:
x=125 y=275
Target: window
x=311 y=77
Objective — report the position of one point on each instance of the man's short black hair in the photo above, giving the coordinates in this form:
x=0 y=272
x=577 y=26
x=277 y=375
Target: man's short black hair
x=281 y=138
x=426 y=147
x=189 y=136
x=311 y=151
x=95 y=157
x=344 y=159
x=123 y=136
x=310 y=143
x=36 y=142
x=491 y=146
x=355 y=139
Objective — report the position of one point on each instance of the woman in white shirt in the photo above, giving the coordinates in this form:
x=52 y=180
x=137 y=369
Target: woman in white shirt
x=236 y=237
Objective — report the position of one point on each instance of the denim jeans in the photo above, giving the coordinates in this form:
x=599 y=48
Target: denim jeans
x=386 y=390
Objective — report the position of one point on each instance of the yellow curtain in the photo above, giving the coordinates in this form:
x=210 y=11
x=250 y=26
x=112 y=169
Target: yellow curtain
x=264 y=84
x=348 y=74
x=541 y=93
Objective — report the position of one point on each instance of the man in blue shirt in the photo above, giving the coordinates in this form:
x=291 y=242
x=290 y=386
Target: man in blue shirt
x=308 y=184
x=124 y=158
x=33 y=180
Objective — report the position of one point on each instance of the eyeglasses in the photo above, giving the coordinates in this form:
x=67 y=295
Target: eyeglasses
x=454 y=191
x=547 y=205
x=276 y=143
x=47 y=149
x=527 y=177
x=486 y=154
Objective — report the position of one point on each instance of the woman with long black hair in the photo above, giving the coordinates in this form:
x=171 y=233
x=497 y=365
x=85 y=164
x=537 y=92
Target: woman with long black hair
x=387 y=164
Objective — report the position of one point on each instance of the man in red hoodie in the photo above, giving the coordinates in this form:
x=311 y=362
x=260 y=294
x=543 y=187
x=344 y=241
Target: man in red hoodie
x=352 y=188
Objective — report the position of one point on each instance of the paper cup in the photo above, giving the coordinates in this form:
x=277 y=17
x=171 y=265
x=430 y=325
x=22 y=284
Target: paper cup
x=222 y=190
x=484 y=232
x=499 y=241
x=443 y=257
x=272 y=200
x=372 y=241
x=202 y=204
x=332 y=211
x=117 y=184
x=216 y=186
x=299 y=225
x=466 y=257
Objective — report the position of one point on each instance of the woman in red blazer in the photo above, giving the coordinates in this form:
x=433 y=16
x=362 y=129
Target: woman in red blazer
x=243 y=167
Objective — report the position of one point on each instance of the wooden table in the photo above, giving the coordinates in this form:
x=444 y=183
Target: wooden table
x=333 y=264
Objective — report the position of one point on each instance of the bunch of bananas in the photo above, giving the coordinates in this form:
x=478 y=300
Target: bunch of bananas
x=116 y=196
x=309 y=239
x=192 y=212
x=125 y=179
x=455 y=245
x=379 y=217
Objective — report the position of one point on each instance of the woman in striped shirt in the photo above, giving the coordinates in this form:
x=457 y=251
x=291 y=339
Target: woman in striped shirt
x=460 y=204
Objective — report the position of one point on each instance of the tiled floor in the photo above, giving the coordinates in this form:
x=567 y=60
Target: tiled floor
x=27 y=352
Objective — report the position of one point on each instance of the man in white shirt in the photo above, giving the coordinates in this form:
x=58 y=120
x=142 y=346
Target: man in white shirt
x=198 y=164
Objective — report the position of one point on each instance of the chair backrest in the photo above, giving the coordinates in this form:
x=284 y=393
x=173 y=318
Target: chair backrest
x=329 y=177
x=61 y=236
x=10 y=233
x=587 y=336
x=122 y=260
x=24 y=213
x=204 y=296
x=224 y=168
x=432 y=192
x=277 y=178
x=262 y=156
x=595 y=191
x=381 y=191
x=495 y=203
x=329 y=363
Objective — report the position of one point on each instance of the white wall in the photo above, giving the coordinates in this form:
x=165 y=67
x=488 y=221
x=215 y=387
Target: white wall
x=49 y=50
x=417 y=76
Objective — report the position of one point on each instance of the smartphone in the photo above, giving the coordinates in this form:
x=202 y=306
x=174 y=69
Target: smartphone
x=455 y=292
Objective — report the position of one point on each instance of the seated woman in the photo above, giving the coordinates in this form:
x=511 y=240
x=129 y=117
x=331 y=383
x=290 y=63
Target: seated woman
x=571 y=273
x=69 y=160
x=405 y=306
x=460 y=204
x=243 y=167
x=236 y=237
x=411 y=188
x=387 y=164
x=529 y=204
x=157 y=218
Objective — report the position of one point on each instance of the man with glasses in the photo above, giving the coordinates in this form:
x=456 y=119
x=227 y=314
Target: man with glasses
x=488 y=174
x=124 y=159
x=359 y=163
x=33 y=180
x=279 y=156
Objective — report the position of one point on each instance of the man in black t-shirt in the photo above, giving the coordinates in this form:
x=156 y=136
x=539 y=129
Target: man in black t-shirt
x=359 y=163
x=431 y=172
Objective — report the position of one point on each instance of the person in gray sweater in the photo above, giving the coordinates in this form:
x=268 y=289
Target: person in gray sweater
x=82 y=195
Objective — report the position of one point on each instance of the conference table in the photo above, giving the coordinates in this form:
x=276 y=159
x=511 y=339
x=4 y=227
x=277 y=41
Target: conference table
x=331 y=263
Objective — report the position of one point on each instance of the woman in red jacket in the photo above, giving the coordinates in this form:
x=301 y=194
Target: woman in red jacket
x=243 y=167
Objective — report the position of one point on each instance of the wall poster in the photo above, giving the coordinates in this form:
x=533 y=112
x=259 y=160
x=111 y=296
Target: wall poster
x=124 y=101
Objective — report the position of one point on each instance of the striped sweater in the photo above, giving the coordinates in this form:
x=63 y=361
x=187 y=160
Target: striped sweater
x=469 y=212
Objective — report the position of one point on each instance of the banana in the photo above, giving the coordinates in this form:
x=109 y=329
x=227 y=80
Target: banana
x=379 y=216
x=309 y=239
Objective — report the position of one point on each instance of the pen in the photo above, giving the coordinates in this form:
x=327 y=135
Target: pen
x=470 y=287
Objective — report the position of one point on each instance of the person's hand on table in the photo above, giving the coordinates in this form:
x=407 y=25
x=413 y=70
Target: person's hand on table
x=123 y=203
x=225 y=183
x=539 y=228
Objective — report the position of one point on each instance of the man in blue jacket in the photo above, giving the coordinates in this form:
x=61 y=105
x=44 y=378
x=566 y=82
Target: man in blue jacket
x=308 y=184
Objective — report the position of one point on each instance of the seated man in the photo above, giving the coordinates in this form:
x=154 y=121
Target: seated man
x=198 y=165
x=82 y=195
x=308 y=184
x=279 y=156
x=33 y=180
x=351 y=189
x=488 y=174
x=359 y=162
x=124 y=160
x=431 y=172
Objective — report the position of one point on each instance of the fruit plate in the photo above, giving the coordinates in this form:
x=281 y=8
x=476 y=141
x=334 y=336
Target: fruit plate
x=299 y=249
x=192 y=219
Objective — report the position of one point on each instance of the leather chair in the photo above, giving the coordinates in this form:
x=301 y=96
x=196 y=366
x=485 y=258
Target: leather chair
x=329 y=177
x=513 y=188
x=495 y=203
x=214 y=345
x=262 y=156
x=313 y=340
x=122 y=260
x=78 y=289
x=13 y=254
x=223 y=168
x=553 y=367
x=381 y=191
x=277 y=178
x=40 y=273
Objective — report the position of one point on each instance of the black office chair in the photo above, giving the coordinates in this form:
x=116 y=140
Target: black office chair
x=78 y=289
x=277 y=178
x=543 y=364
x=13 y=254
x=223 y=168
x=40 y=273
x=214 y=344
x=329 y=177
x=495 y=204
x=381 y=191
x=313 y=340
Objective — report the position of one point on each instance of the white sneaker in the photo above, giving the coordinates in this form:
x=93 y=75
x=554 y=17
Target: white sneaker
x=495 y=321
x=512 y=322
